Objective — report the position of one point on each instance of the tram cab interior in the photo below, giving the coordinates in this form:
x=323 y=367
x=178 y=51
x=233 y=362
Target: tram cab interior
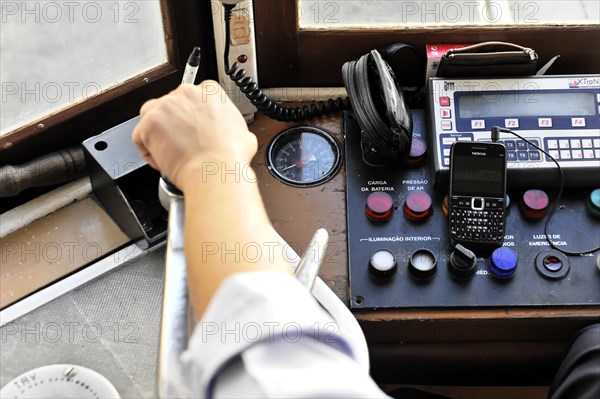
x=356 y=107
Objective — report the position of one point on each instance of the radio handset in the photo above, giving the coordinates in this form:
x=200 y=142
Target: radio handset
x=379 y=107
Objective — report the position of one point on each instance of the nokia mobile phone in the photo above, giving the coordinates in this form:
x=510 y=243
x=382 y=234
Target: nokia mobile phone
x=477 y=196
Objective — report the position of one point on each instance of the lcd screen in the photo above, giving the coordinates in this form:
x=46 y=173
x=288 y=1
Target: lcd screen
x=478 y=176
x=532 y=103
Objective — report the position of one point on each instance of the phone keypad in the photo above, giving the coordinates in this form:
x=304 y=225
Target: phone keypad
x=485 y=225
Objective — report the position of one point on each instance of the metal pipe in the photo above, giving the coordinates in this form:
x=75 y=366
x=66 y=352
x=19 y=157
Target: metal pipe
x=55 y=168
x=174 y=321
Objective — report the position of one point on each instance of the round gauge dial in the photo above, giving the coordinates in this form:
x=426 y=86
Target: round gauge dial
x=304 y=156
x=60 y=381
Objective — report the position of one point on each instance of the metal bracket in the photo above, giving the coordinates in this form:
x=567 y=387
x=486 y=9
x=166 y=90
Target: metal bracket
x=125 y=185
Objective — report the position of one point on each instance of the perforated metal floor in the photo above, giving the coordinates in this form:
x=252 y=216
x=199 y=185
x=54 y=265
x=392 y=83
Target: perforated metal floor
x=110 y=325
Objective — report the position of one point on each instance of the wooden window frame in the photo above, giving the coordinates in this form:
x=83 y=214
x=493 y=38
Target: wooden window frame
x=71 y=126
x=290 y=56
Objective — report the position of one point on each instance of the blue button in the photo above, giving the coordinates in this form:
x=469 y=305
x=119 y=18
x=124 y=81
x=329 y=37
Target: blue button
x=511 y=156
x=534 y=155
x=509 y=144
x=536 y=142
x=503 y=263
x=522 y=155
x=521 y=145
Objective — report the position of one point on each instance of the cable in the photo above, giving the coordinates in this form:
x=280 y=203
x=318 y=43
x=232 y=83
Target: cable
x=496 y=133
x=268 y=107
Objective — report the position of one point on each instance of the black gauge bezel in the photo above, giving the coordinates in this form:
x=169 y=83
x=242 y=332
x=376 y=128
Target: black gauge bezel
x=289 y=135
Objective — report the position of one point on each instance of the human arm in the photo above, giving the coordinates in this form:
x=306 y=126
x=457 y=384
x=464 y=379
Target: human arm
x=197 y=138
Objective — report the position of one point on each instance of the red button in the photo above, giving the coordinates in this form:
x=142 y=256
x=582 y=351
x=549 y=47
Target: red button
x=417 y=205
x=418 y=149
x=534 y=204
x=379 y=207
x=445 y=101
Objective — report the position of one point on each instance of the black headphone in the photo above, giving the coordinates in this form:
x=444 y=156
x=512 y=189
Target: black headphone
x=379 y=107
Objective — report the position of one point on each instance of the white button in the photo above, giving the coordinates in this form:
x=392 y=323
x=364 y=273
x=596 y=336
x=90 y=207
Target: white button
x=383 y=261
x=448 y=140
x=587 y=143
x=598 y=97
x=545 y=122
x=446 y=161
x=554 y=154
x=575 y=143
x=596 y=143
x=552 y=144
x=563 y=144
x=578 y=122
x=597 y=153
x=511 y=123
x=577 y=154
x=446 y=152
x=464 y=138
x=477 y=124
x=446 y=113
x=588 y=154
x=446 y=125
x=565 y=154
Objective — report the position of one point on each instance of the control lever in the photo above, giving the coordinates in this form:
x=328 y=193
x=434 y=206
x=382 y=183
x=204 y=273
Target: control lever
x=174 y=321
x=311 y=261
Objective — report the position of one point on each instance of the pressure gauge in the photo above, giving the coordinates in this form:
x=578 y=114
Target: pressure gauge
x=304 y=156
x=60 y=381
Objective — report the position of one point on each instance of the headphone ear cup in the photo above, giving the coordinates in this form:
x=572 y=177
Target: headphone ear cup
x=379 y=108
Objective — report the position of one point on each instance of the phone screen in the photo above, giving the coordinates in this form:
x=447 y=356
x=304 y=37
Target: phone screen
x=478 y=176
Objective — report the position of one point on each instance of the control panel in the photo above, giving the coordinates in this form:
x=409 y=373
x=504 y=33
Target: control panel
x=398 y=242
x=559 y=114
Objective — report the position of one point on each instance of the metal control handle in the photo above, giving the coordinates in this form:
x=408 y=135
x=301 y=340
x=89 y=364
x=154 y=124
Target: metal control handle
x=174 y=321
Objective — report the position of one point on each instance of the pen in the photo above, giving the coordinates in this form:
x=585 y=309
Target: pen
x=189 y=76
x=191 y=68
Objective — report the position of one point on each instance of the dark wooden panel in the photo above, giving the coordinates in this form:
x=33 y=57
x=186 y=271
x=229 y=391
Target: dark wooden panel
x=322 y=54
x=297 y=213
x=288 y=56
x=276 y=37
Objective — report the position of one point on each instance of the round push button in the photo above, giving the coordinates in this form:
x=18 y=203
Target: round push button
x=534 y=204
x=593 y=203
x=422 y=264
x=380 y=206
x=418 y=150
x=552 y=264
x=382 y=264
x=503 y=263
x=417 y=206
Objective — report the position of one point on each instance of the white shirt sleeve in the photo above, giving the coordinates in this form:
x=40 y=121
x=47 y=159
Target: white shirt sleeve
x=264 y=335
